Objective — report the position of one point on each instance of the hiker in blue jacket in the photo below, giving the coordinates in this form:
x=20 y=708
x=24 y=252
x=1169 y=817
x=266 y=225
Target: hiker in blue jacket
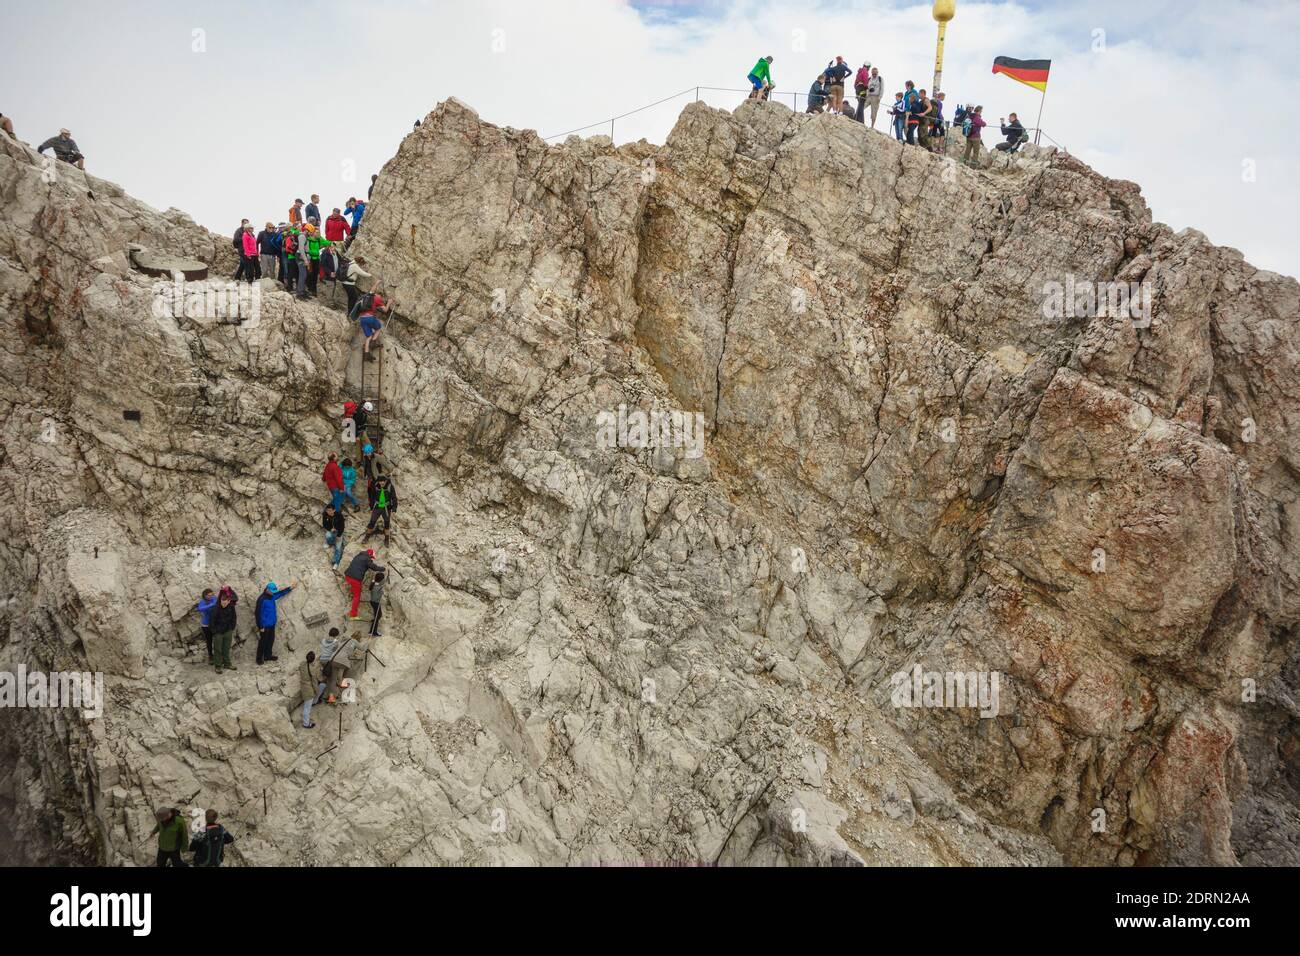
x=266 y=620
x=206 y=603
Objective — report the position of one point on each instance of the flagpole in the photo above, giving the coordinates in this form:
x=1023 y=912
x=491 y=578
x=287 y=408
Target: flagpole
x=1038 y=126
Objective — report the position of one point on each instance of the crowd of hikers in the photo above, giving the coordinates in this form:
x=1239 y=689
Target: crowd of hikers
x=916 y=117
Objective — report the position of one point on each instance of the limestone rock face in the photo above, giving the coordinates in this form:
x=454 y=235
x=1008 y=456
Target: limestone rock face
x=881 y=453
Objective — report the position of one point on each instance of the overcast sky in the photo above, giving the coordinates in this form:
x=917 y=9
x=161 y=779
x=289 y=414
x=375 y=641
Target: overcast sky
x=233 y=109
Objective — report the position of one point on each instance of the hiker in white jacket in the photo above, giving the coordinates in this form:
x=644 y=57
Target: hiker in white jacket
x=875 y=87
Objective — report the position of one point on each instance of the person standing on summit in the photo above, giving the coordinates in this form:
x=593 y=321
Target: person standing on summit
x=248 y=266
x=875 y=87
x=355 y=209
x=336 y=227
x=312 y=212
x=760 y=77
x=836 y=72
x=295 y=213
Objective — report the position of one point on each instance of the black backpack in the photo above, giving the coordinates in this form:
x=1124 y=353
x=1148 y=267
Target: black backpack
x=341 y=263
x=364 y=304
x=238 y=240
x=209 y=846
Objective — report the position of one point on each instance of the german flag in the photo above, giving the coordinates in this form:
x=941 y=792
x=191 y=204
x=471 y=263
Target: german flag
x=1029 y=72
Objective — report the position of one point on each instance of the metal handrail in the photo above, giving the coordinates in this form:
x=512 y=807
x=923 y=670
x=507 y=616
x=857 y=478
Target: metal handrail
x=794 y=98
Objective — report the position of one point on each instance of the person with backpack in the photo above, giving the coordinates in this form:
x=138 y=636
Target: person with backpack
x=937 y=128
x=376 y=596
x=206 y=603
x=371 y=327
x=315 y=243
x=760 y=78
x=971 y=130
x=310 y=688
x=209 y=847
x=836 y=72
x=172 y=831
x=333 y=478
x=348 y=274
x=369 y=465
x=875 y=88
x=223 y=628
x=292 y=241
x=331 y=519
x=922 y=117
x=362 y=562
x=385 y=504
x=267 y=617
x=1014 y=132
x=817 y=95
x=350 y=479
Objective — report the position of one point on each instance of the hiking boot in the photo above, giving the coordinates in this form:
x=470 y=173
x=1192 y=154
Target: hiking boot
x=309 y=726
x=273 y=657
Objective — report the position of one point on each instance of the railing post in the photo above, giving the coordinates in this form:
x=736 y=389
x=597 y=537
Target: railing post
x=611 y=131
x=697 y=94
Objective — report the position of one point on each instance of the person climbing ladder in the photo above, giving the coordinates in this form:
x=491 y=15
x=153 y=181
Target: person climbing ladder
x=385 y=504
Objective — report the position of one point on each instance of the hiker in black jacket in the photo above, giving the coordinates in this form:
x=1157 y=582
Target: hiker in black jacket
x=222 y=622
x=384 y=497
x=209 y=847
x=356 y=575
x=331 y=520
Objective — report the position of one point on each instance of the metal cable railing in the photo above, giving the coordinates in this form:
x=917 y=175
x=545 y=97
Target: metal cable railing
x=794 y=99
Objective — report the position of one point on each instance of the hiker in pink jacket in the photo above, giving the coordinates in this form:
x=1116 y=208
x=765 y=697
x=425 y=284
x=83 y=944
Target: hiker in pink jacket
x=248 y=265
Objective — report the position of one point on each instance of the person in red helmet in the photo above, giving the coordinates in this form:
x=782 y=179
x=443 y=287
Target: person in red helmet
x=356 y=576
x=371 y=327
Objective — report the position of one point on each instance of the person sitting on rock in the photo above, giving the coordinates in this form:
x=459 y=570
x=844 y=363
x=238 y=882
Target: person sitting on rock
x=817 y=94
x=65 y=148
x=385 y=504
x=760 y=78
x=1014 y=132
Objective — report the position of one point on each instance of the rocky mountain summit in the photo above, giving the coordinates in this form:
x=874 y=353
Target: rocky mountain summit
x=892 y=438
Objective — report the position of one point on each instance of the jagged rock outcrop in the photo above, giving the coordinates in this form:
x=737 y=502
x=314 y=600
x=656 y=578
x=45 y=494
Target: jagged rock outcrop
x=683 y=653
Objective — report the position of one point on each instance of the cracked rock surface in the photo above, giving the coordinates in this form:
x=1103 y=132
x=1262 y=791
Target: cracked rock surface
x=622 y=654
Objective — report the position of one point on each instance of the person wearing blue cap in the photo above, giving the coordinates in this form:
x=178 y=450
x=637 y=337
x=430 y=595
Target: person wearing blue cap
x=369 y=462
x=267 y=618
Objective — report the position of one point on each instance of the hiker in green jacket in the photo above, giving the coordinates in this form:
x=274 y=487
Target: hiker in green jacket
x=315 y=243
x=173 y=833
x=760 y=77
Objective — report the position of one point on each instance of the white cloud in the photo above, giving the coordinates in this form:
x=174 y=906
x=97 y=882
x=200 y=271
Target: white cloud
x=286 y=94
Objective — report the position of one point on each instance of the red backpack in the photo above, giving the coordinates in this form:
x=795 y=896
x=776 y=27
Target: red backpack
x=349 y=409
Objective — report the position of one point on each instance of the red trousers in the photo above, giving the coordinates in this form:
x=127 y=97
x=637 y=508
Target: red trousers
x=355 y=585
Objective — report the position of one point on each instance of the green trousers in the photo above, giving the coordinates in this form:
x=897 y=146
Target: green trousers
x=221 y=648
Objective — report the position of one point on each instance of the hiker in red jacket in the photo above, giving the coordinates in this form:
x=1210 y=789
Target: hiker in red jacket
x=333 y=478
x=336 y=227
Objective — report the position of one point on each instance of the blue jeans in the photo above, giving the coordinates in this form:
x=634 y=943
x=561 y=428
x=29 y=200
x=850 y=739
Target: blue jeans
x=336 y=498
x=898 y=128
x=347 y=496
x=306 y=704
x=335 y=541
